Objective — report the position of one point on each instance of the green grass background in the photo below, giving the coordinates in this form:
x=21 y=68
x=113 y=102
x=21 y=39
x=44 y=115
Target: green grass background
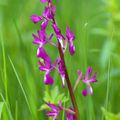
x=96 y=24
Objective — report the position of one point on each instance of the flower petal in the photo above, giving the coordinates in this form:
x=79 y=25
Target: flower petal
x=44 y=25
x=89 y=71
x=63 y=80
x=42 y=35
x=62 y=72
x=43 y=67
x=47 y=13
x=56 y=29
x=51 y=36
x=72 y=49
x=79 y=73
x=84 y=92
x=87 y=91
x=69 y=34
x=36 y=39
x=36 y=18
x=48 y=80
x=70 y=37
x=42 y=54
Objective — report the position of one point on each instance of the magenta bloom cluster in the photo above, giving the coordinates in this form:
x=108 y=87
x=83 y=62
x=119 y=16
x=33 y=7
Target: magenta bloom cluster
x=47 y=66
x=41 y=39
x=55 y=111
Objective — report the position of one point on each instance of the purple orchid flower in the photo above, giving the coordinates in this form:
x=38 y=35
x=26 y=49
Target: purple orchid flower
x=46 y=66
x=87 y=79
x=48 y=80
x=70 y=37
x=55 y=110
x=41 y=40
x=49 y=12
x=41 y=53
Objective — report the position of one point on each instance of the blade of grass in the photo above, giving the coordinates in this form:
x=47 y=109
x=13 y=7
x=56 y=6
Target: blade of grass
x=4 y=63
x=16 y=110
x=108 y=85
x=108 y=81
x=1 y=107
x=19 y=81
x=7 y=107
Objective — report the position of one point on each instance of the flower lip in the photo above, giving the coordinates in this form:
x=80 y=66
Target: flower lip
x=69 y=34
x=42 y=54
x=41 y=39
x=87 y=91
x=36 y=18
x=89 y=72
x=48 y=80
x=42 y=35
x=72 y=49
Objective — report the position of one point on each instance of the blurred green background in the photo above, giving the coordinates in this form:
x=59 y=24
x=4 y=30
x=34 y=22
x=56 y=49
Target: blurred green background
x=96 y=24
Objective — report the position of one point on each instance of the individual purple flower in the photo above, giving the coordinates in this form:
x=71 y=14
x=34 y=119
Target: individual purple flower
x=61 y=71
x=70 y=37
x=41 y=53
x=48 y=80
x=45 y=66
x=87 y=79
x=41 y=39
x=55 y=110
x=36 y=18
x=49 y=12
x=70 y=116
